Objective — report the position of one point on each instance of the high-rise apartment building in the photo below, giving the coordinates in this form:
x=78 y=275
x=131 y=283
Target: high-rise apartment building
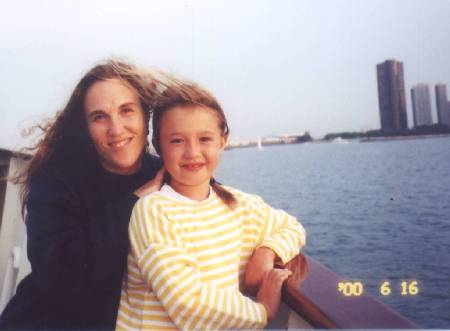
x=421 y=104
x=391 y=95
x=442 y=104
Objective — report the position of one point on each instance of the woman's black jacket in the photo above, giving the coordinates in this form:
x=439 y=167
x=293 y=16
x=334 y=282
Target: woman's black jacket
x=77 y=227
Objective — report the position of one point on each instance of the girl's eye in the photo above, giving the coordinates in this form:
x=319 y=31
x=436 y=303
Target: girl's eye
x=176 y=141
x=205 y=139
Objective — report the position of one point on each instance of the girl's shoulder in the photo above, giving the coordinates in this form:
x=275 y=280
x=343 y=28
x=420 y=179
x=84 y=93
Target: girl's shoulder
x=151 y=199
x=150 y=206
x=164 y=197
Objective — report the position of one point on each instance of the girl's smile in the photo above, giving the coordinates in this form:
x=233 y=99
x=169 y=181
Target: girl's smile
x=193 y=166
x=191 y=145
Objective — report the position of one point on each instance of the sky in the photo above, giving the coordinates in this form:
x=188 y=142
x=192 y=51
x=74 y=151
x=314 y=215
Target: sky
x=277 y=66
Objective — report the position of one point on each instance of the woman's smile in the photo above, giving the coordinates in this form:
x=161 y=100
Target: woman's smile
x=120 y=144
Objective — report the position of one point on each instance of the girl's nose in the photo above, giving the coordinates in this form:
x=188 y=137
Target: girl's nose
x=192 y=149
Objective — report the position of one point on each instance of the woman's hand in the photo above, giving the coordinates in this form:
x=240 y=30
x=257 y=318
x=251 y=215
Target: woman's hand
x=269 y=295
x=261 y=262
x=152 y=185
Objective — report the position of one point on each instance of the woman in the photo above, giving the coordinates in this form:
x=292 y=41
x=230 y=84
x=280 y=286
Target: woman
x=79 y=188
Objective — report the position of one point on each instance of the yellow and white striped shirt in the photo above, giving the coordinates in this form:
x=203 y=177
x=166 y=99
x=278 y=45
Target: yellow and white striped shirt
x=187 y=258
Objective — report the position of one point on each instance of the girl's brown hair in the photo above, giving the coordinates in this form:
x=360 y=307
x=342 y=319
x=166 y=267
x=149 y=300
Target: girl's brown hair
x=178 y=93
x=67 y=134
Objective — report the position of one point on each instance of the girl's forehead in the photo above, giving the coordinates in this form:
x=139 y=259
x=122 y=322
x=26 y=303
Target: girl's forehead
x=192 y=109
x=190 y=116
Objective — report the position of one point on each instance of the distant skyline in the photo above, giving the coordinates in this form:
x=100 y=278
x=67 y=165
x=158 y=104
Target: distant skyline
x=421 y=105
x=442 y=104
x=278 y=67
x=391 y=95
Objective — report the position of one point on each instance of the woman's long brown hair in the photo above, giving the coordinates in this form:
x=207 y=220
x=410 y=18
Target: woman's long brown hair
x=67 y=133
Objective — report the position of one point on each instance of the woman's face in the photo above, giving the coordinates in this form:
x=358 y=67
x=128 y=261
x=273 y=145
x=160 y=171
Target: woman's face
x=191 y=143
x=116 y=124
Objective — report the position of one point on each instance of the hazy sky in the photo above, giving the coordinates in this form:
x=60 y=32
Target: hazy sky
x=276 y=66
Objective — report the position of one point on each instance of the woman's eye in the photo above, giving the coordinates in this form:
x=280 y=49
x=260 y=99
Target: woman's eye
x=127 y=110
x=98 y=117
x=176 y=141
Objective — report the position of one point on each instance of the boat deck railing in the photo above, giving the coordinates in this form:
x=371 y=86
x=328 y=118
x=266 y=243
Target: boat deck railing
x=312 y=292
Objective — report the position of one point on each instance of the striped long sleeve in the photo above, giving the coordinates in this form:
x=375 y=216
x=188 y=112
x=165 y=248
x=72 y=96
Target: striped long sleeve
x=187 y=258
x=167 y=265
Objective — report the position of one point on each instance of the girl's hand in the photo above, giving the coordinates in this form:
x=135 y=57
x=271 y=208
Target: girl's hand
x=261 y=262
x=270 y=292
x=152 y=185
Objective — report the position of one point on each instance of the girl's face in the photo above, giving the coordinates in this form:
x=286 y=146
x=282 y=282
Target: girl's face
x=116 y=124
x=191 y=143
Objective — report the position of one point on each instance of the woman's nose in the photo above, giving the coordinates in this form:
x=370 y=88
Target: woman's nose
x=115 y=127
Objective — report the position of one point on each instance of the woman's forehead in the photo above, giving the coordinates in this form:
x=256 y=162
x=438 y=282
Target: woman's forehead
x=105 y=94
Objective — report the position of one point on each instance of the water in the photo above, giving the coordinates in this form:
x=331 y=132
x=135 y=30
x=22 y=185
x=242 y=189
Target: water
x=373 y=212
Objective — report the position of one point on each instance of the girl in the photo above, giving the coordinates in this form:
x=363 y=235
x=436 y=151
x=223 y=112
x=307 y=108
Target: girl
x=192 y=242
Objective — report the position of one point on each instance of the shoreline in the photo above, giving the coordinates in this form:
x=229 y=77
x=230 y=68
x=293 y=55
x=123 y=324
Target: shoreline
x=412 y=137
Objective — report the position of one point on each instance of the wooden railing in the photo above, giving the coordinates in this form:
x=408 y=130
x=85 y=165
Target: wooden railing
x=312 y=292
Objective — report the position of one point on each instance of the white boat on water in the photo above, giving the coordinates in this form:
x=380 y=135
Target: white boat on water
x=259 y=143
x=339 y=140
x=310 y=296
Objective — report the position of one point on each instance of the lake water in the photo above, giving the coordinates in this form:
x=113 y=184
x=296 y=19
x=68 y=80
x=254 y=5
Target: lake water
x=372 y=211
